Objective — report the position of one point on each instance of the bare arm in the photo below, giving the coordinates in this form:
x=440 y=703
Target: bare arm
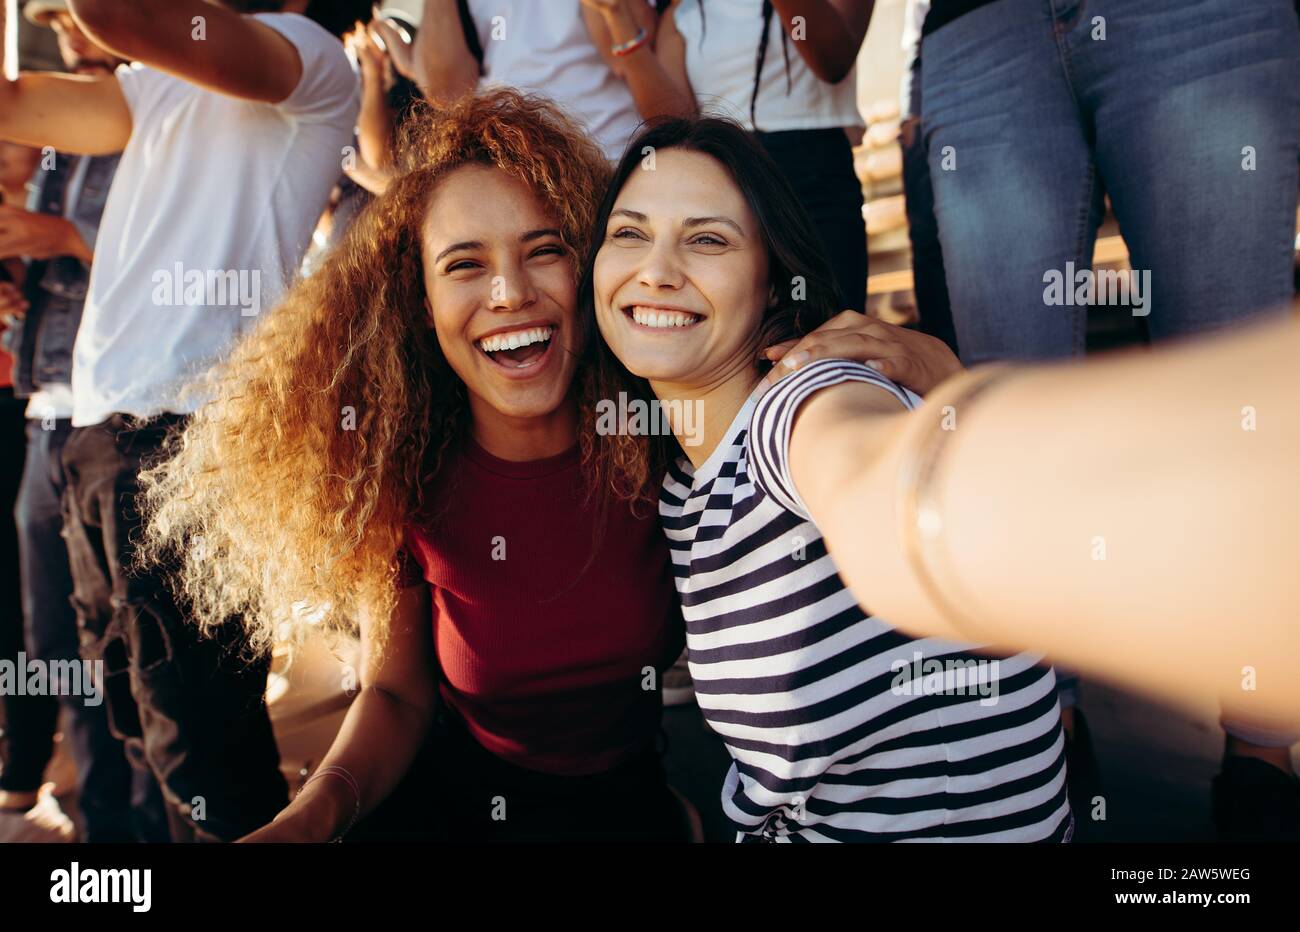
x=444 y=67
x=200 y=42
x=375 y=121
x=833 y=31
x=656 y=72
x=1136 y=517
x=82 y=115
x=381 y=734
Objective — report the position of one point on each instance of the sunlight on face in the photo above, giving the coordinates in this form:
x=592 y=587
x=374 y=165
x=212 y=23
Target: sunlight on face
x=681 y=278
x=501 y=293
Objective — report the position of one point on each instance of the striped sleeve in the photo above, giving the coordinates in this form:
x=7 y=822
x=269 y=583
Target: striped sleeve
x=773 y=421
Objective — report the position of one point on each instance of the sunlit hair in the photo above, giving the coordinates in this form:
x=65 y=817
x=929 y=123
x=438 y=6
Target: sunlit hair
x=278 y=508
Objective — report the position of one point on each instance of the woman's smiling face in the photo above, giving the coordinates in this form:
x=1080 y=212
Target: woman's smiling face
x=501 y=292
x=681 y=279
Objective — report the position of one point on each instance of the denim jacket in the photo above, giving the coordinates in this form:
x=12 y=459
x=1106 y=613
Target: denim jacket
x=41 y=342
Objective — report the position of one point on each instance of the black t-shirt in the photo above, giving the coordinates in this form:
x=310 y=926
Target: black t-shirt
x=943 y=12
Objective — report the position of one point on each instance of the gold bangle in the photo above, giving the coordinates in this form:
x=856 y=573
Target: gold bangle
x=921 y=521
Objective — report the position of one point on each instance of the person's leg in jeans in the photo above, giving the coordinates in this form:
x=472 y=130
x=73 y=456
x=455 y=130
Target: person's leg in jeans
x=194 y=706
x=929 y=280
x=1197 y=109
x=30 y=721
x=1016 y=197
x=1016 y=192
x=1192 y=112
x=105 y=779
x=1197 y=115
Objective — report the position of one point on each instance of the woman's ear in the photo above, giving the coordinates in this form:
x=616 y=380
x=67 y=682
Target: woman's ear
x=772 y=299
x=428 y=312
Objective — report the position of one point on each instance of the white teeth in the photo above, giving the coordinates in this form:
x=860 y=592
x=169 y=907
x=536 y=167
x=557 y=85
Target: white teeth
x=648 y=317
x=515 y=339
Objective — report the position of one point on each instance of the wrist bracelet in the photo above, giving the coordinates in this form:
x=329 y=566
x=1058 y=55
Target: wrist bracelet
x=921 y=520
x=632 y=44
x=347 y=778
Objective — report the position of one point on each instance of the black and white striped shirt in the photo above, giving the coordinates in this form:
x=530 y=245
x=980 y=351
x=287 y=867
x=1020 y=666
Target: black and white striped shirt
x=840 y=727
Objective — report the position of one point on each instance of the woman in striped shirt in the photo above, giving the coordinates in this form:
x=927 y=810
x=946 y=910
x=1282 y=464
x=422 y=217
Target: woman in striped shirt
x=841 y=728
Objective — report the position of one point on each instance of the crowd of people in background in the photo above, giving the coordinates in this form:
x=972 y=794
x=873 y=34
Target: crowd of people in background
x=229 y=223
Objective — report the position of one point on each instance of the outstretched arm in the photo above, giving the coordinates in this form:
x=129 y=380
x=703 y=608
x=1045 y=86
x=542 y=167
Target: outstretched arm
x=200 y=42
x=1136 y=517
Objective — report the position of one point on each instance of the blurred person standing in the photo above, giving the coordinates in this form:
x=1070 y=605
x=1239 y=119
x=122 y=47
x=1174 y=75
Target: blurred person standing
x=232 y=122
x=26 y=812
x=119 y=800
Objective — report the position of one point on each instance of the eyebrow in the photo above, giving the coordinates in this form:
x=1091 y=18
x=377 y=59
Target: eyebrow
x=688 y=223
x=478 y=244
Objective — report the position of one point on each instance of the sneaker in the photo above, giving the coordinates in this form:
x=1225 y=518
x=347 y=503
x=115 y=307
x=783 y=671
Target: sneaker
x=1254 y=801
x=44 y=823
x=679 y=688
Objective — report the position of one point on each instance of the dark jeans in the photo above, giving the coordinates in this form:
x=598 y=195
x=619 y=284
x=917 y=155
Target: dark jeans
x=457 y=791
x=929 y=282
x=29 y=721
x=818 y=163
x=193 y=706
x=118 y=802
x=1187 y=113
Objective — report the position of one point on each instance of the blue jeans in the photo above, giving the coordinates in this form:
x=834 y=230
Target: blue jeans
x=118 y=797
x=193 y=706
x=929 y=281
x=1187 y=114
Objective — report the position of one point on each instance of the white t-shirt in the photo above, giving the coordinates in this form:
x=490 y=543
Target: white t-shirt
x=211 y=210
x=543 y=46
x=721 y=52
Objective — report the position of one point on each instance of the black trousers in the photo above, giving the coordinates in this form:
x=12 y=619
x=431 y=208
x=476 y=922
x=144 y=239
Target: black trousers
x=193 y=706
x=457 y=791
x=117 y=794
x=818 y=163
x=29 y=721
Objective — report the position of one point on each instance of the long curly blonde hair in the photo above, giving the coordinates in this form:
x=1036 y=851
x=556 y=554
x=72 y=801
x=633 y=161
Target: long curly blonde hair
x=284 y=500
